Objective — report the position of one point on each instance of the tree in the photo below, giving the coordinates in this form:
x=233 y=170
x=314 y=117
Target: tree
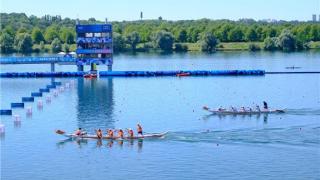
x=253 y=47
x=133 y=39
x=182 y=36
x=315 y=33
x=6 y=43
x=37 y=35
x=23 y=43
x=163 y=40
x=56 y=45
x=66 y=35
x=180 y=47
x=251 y=35
x=270 y=44
x=118 y=42
x=208 y=42
x=51 y=34
x=286 y=41
x=66 y=47
x=235 y=35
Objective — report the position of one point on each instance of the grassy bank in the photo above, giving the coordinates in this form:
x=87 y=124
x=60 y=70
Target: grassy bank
x=230 y=46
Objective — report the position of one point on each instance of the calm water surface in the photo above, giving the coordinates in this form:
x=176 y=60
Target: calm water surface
x=198 y=146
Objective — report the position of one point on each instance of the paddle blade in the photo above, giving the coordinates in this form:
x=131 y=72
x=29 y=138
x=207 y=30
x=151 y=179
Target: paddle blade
x=60 y=131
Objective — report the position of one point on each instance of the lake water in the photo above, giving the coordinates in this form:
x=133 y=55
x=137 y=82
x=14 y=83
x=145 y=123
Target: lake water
x=198 y=145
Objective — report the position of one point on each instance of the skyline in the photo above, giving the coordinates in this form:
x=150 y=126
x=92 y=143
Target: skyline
x=177 y=10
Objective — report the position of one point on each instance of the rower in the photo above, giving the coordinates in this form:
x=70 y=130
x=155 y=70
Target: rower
x=110 y=133
x=78 y=132
x=99 y=133
x=233 y=109
x=258 y=108
x=221 y=109
x=265 y=105
x=139 y=129
x=130 y=132
x=243 y=109
x=120 y=133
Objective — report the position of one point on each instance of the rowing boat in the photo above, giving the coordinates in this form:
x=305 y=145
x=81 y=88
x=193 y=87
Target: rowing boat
x=229 y=112
x=87 y=136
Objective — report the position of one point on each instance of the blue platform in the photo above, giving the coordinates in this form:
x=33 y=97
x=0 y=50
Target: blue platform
x=135 y=73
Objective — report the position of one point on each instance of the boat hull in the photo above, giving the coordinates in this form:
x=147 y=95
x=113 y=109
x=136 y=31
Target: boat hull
x=146 y=136
x=217 y=112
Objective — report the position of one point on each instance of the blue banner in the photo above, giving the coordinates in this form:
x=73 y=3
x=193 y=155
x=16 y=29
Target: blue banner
x=95 y=28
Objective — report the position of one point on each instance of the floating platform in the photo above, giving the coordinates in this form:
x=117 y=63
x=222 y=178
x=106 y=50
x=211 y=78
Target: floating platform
x=5 y=112
x=136 y=73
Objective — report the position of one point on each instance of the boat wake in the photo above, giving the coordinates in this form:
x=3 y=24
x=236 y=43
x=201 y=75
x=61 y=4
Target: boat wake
x=295 y=136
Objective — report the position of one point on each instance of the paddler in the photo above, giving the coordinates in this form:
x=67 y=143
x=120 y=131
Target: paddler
x=265 y=105
x=99 y=134
x=120 y=133
x=110 y=133
x=130 y=133
x=139 y=130
x=258 y=108
x=78 y=132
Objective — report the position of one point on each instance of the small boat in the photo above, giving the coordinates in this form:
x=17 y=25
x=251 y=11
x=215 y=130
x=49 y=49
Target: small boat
x=183 y=74
x=230 y=112
x=87 y=136
x=90 y=76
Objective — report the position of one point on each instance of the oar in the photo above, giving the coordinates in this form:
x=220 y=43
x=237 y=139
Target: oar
x=60 y=132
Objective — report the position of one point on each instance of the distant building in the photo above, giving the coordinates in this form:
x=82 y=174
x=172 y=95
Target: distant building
x=314 y=17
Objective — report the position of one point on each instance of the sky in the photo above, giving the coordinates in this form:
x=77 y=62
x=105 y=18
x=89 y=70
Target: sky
x=118 y=10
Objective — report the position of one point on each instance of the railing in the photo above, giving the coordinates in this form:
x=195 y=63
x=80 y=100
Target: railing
x=36 y=60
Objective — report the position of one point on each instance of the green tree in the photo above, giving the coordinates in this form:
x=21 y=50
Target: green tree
x=182 y=36
x=286 y=41
x=66 y=48
x=270 y=44
x=180 y=47
x=37 y=35
x=23 y=43
x=6 y=43
x=251 y=35
x=235 y=35
x=253 y=47
x=51 y=34
x=208 y=42
x=163 y=40
x=42 y=47
x=133 y=39
x=67 y=36
x=56 y=45
x=118 y=42
x=315 y=33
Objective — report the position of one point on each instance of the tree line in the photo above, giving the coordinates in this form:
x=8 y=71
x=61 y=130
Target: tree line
x=22 y=33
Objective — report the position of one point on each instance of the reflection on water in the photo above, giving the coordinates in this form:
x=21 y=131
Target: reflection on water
x=103 y=143
x=243 y=116
x=95 y=103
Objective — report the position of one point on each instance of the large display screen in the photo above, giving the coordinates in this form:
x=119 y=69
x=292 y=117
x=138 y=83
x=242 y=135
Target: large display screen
x=93 y=28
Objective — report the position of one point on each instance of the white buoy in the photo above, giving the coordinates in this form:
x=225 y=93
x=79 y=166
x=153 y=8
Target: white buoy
x=16 y=118
x=48 y=99
x=61 y=89
x=2 y=129
x=29 y=110
x=72 y=83
x=55 y=93
x=40 y=103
